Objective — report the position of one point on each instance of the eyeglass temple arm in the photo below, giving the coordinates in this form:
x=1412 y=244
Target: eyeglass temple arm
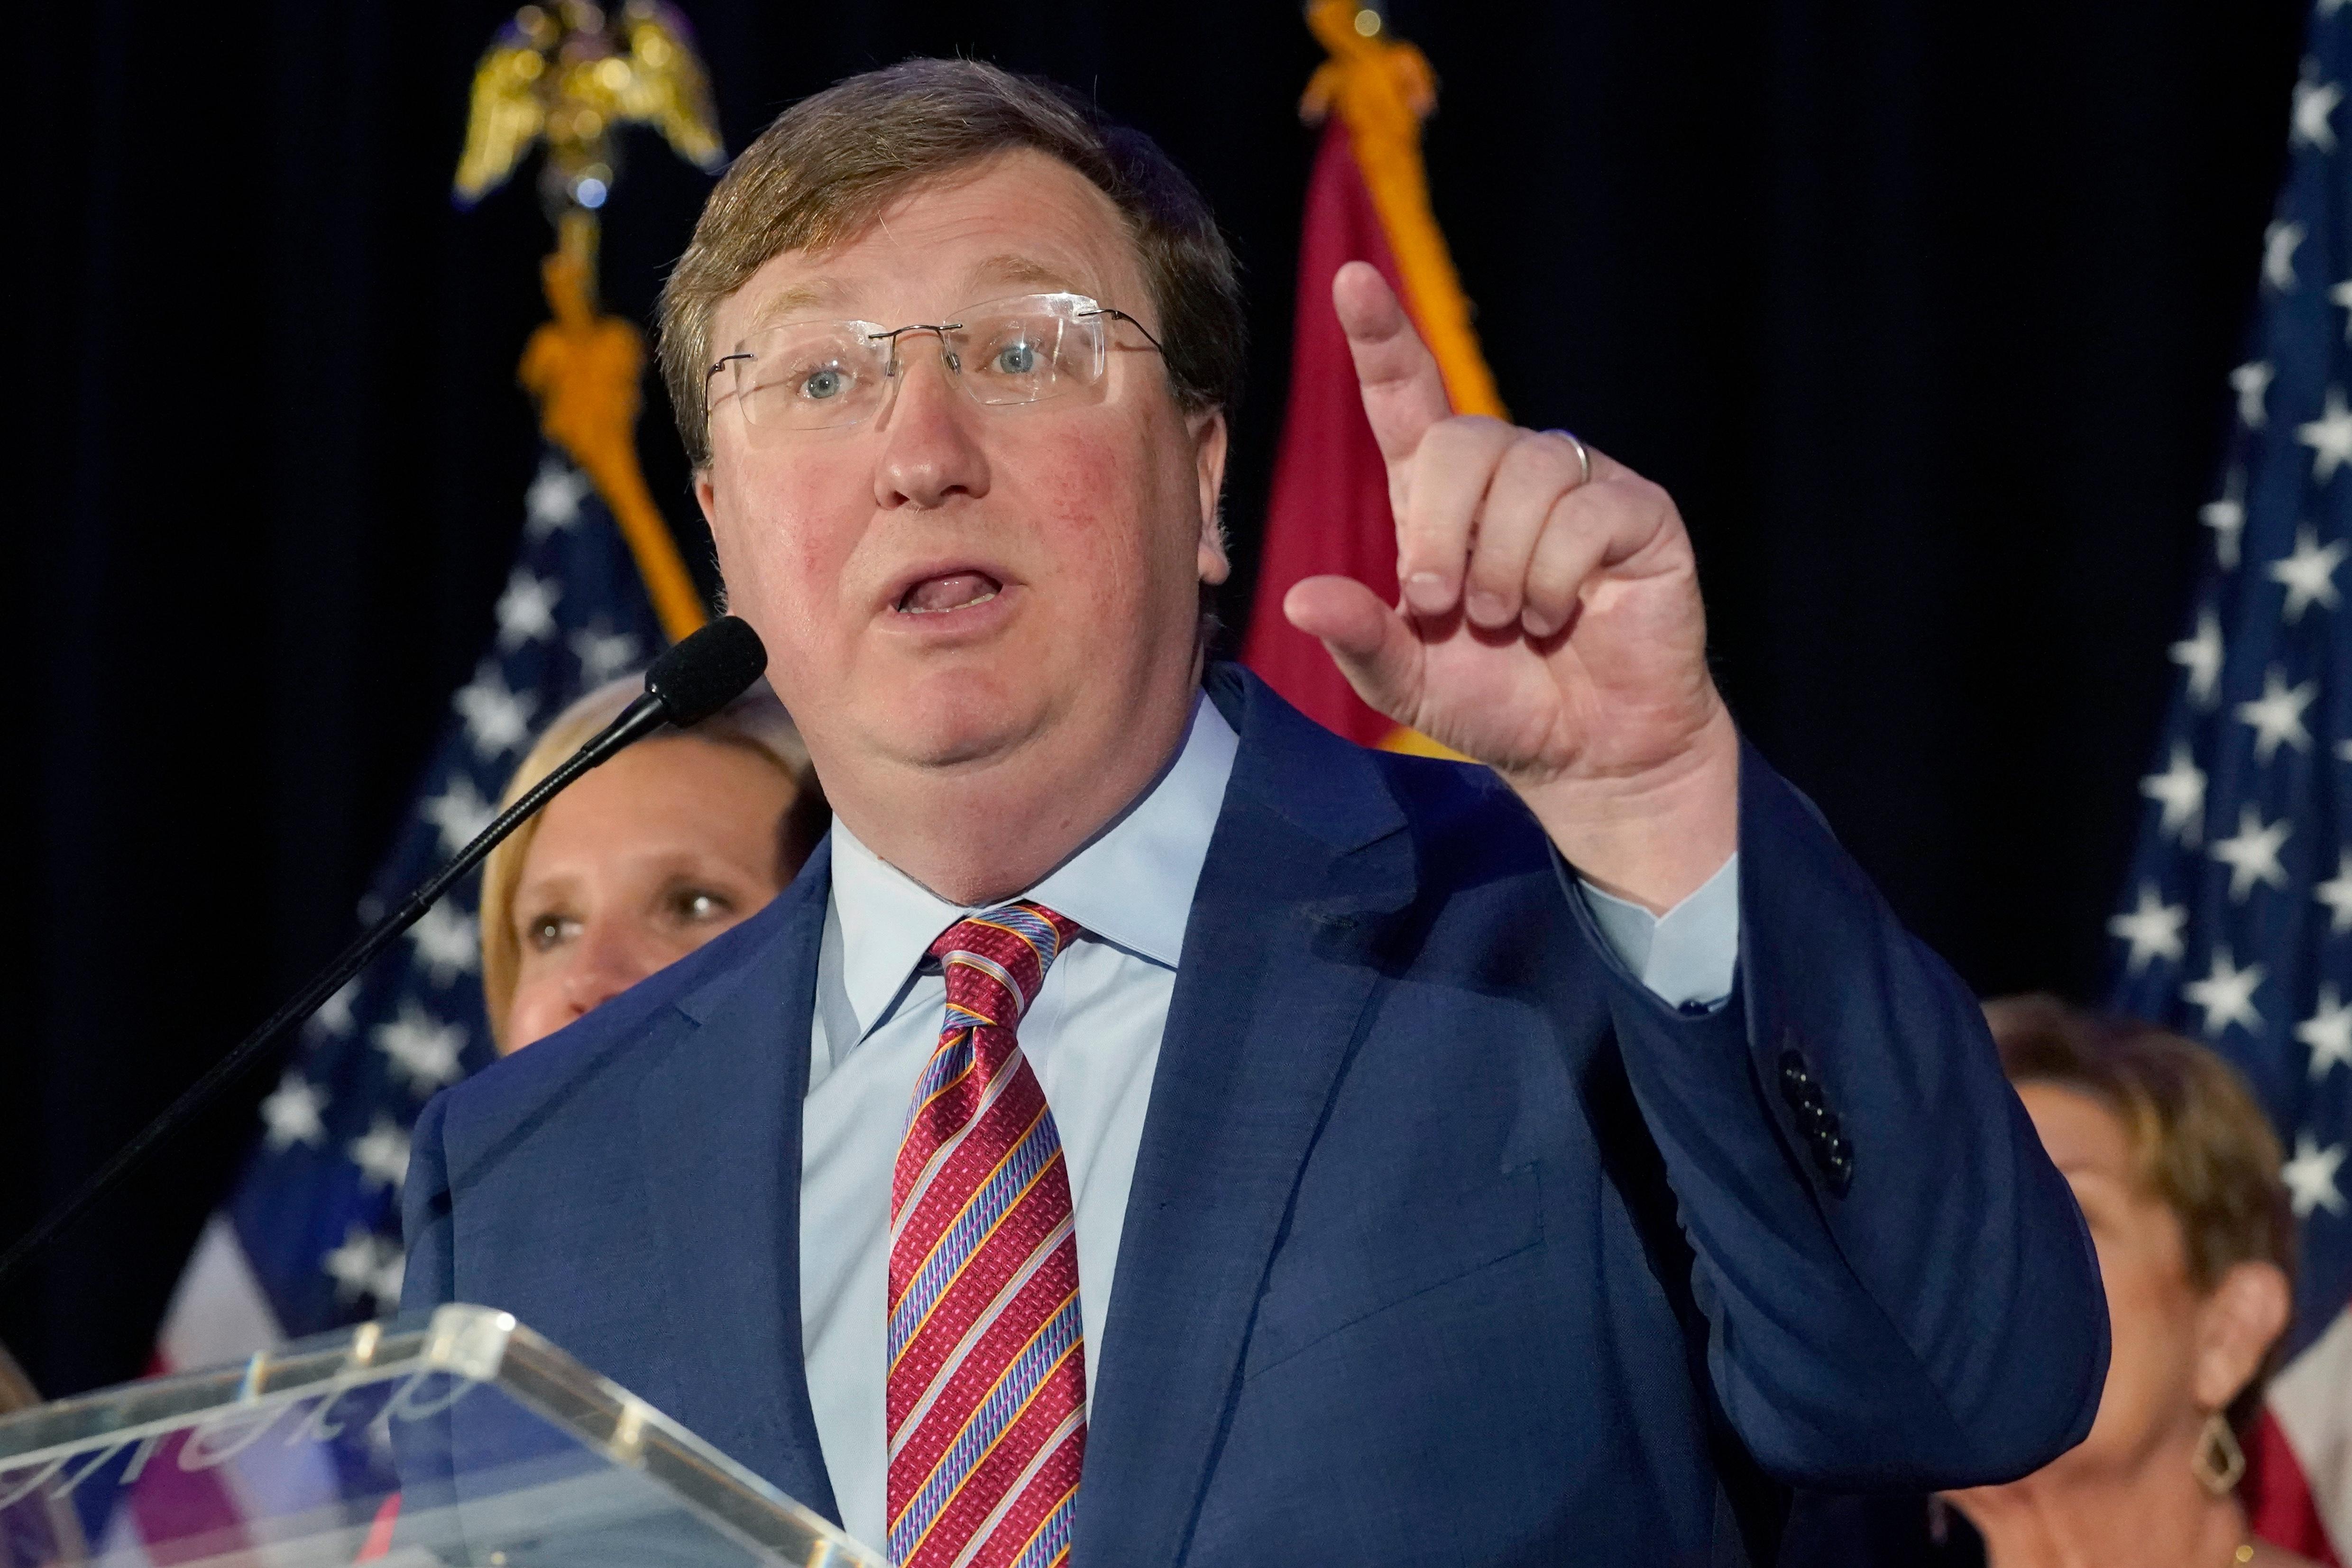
x=1109 y=310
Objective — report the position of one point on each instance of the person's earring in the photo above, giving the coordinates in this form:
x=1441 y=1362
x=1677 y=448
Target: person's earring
x=2218 y=1461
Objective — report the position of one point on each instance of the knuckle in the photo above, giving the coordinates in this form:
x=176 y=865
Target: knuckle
x=1539 y=460
x=1462 y=434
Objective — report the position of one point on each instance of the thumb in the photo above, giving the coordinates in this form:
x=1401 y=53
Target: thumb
x=1369 y=642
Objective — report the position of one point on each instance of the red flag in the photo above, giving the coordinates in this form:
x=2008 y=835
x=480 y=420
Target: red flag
x=1328 y=511
x=1368 y=201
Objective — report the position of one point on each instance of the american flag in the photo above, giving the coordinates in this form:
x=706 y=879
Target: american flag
x=2237 y=917
x=310 y=1238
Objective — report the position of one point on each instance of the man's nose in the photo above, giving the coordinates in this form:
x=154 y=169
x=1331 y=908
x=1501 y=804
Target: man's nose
x=929 y=450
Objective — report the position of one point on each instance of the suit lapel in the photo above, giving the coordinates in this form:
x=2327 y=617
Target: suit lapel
x=725 y=1106
x=1308 y=858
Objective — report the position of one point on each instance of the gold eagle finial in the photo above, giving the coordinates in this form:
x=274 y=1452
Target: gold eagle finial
x=564 y=75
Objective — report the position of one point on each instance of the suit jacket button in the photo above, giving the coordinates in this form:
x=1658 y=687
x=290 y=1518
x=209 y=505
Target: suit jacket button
x=1839 y=1175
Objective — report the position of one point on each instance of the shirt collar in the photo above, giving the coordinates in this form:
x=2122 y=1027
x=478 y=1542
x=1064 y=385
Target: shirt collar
x=1131 y=886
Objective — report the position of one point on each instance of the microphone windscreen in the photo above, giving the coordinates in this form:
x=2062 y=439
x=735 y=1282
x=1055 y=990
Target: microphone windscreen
x=707 y=671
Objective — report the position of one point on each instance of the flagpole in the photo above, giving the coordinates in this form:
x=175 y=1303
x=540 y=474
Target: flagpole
x=1383 y=88
x=563 y=79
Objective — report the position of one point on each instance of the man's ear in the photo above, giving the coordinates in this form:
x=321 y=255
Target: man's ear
x=705 y=497
x=2236 y=1326
x=1211 y=436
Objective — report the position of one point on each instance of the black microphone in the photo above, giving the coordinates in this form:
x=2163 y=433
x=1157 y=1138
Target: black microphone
x=684 y=686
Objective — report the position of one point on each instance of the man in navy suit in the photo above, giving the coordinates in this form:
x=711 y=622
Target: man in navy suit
x=1154 y=1131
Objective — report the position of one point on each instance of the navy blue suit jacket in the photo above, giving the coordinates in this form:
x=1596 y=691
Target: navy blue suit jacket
x=1448 y=1242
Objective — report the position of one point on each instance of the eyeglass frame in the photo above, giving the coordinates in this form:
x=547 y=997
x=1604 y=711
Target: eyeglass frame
x=1085 y=307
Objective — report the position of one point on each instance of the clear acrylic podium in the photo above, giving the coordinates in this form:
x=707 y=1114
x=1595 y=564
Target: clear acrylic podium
x=463 y=1440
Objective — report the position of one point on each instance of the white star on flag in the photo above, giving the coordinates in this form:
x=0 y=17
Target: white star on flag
x=382 y=1153
x=2277 y=715
x=2153 y=929
x=458 y=812
x=2310 y=1176
x=2279 y=243
x=2227 y=994
x=2180 y=788
x=497 y=719
x=2336 y=894
x=291 y=1112
x=359 y=1266
x=2341 y=296
x=445 y=943
x=2226 y=516
x=2328 y=1032
x=2315 y=101
x=2329 y=437
x=2252 y=855
x=601 y=654
x=526 y=610
x=334 y=1014
x=421 y=1050
x=555 y=497
x=2309 y=574
x=2201 y=655
x=2251 y=382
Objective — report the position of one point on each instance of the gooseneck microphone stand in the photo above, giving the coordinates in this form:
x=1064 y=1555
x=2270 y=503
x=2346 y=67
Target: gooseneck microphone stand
x=685 y=686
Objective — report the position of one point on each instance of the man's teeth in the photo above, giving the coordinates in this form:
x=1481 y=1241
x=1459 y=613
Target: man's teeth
x=957 y=590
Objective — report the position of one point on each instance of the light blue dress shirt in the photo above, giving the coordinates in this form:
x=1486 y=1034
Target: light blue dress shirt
x=1092 y=1036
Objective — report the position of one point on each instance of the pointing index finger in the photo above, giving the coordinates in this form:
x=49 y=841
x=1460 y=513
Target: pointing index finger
x=1404 y=393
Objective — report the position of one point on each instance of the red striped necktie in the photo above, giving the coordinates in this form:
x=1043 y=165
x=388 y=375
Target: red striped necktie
x=988 y=1364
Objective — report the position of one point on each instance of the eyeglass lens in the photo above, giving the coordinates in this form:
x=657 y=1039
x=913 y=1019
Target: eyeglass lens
x=815 y=375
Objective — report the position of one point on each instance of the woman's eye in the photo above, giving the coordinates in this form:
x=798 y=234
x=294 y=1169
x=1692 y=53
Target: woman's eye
x=824 y=383
x=1019 y=359
x=699 y=903
x=548 y=931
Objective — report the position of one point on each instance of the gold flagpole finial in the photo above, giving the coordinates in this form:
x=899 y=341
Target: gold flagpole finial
x=563 y=76
x=566 y=75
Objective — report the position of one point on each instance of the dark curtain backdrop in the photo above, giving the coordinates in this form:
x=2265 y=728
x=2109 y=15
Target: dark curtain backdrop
x=1921 y=311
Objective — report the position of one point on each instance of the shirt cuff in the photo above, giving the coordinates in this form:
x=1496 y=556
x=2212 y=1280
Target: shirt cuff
x=1686 y=955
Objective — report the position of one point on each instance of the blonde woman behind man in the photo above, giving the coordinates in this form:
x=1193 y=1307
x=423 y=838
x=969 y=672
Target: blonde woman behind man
x=2177 y=1171
x=643 y=860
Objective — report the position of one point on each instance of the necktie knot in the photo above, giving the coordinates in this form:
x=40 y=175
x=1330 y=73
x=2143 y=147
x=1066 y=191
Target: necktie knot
x=995 y=962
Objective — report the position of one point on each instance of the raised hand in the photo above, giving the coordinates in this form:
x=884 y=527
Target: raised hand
x=1550 y=624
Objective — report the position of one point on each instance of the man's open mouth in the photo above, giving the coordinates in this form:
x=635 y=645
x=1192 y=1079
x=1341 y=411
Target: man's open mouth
x=952 y=590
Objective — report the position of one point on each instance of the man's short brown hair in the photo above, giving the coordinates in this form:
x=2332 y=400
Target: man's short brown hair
x=2198 y=1138
x=828 y=166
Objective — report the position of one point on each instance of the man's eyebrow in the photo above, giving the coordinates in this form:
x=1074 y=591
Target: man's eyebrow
x=787 y=303
x=1019 y=269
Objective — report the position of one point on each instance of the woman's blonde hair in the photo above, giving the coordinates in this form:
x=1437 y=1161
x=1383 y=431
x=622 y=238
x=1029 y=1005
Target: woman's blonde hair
x=755 y=721
x=2198 y=1138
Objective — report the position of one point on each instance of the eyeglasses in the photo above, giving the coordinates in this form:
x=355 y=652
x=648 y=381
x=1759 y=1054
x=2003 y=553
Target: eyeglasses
x=819 y=375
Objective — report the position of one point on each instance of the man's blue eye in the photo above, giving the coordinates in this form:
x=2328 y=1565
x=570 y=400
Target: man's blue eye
x=1017 y=358
x=828 y=382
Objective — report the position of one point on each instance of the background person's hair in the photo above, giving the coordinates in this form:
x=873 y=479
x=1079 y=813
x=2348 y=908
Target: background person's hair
x=2199 y=1140
x=826 y=167
x=755 y=721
